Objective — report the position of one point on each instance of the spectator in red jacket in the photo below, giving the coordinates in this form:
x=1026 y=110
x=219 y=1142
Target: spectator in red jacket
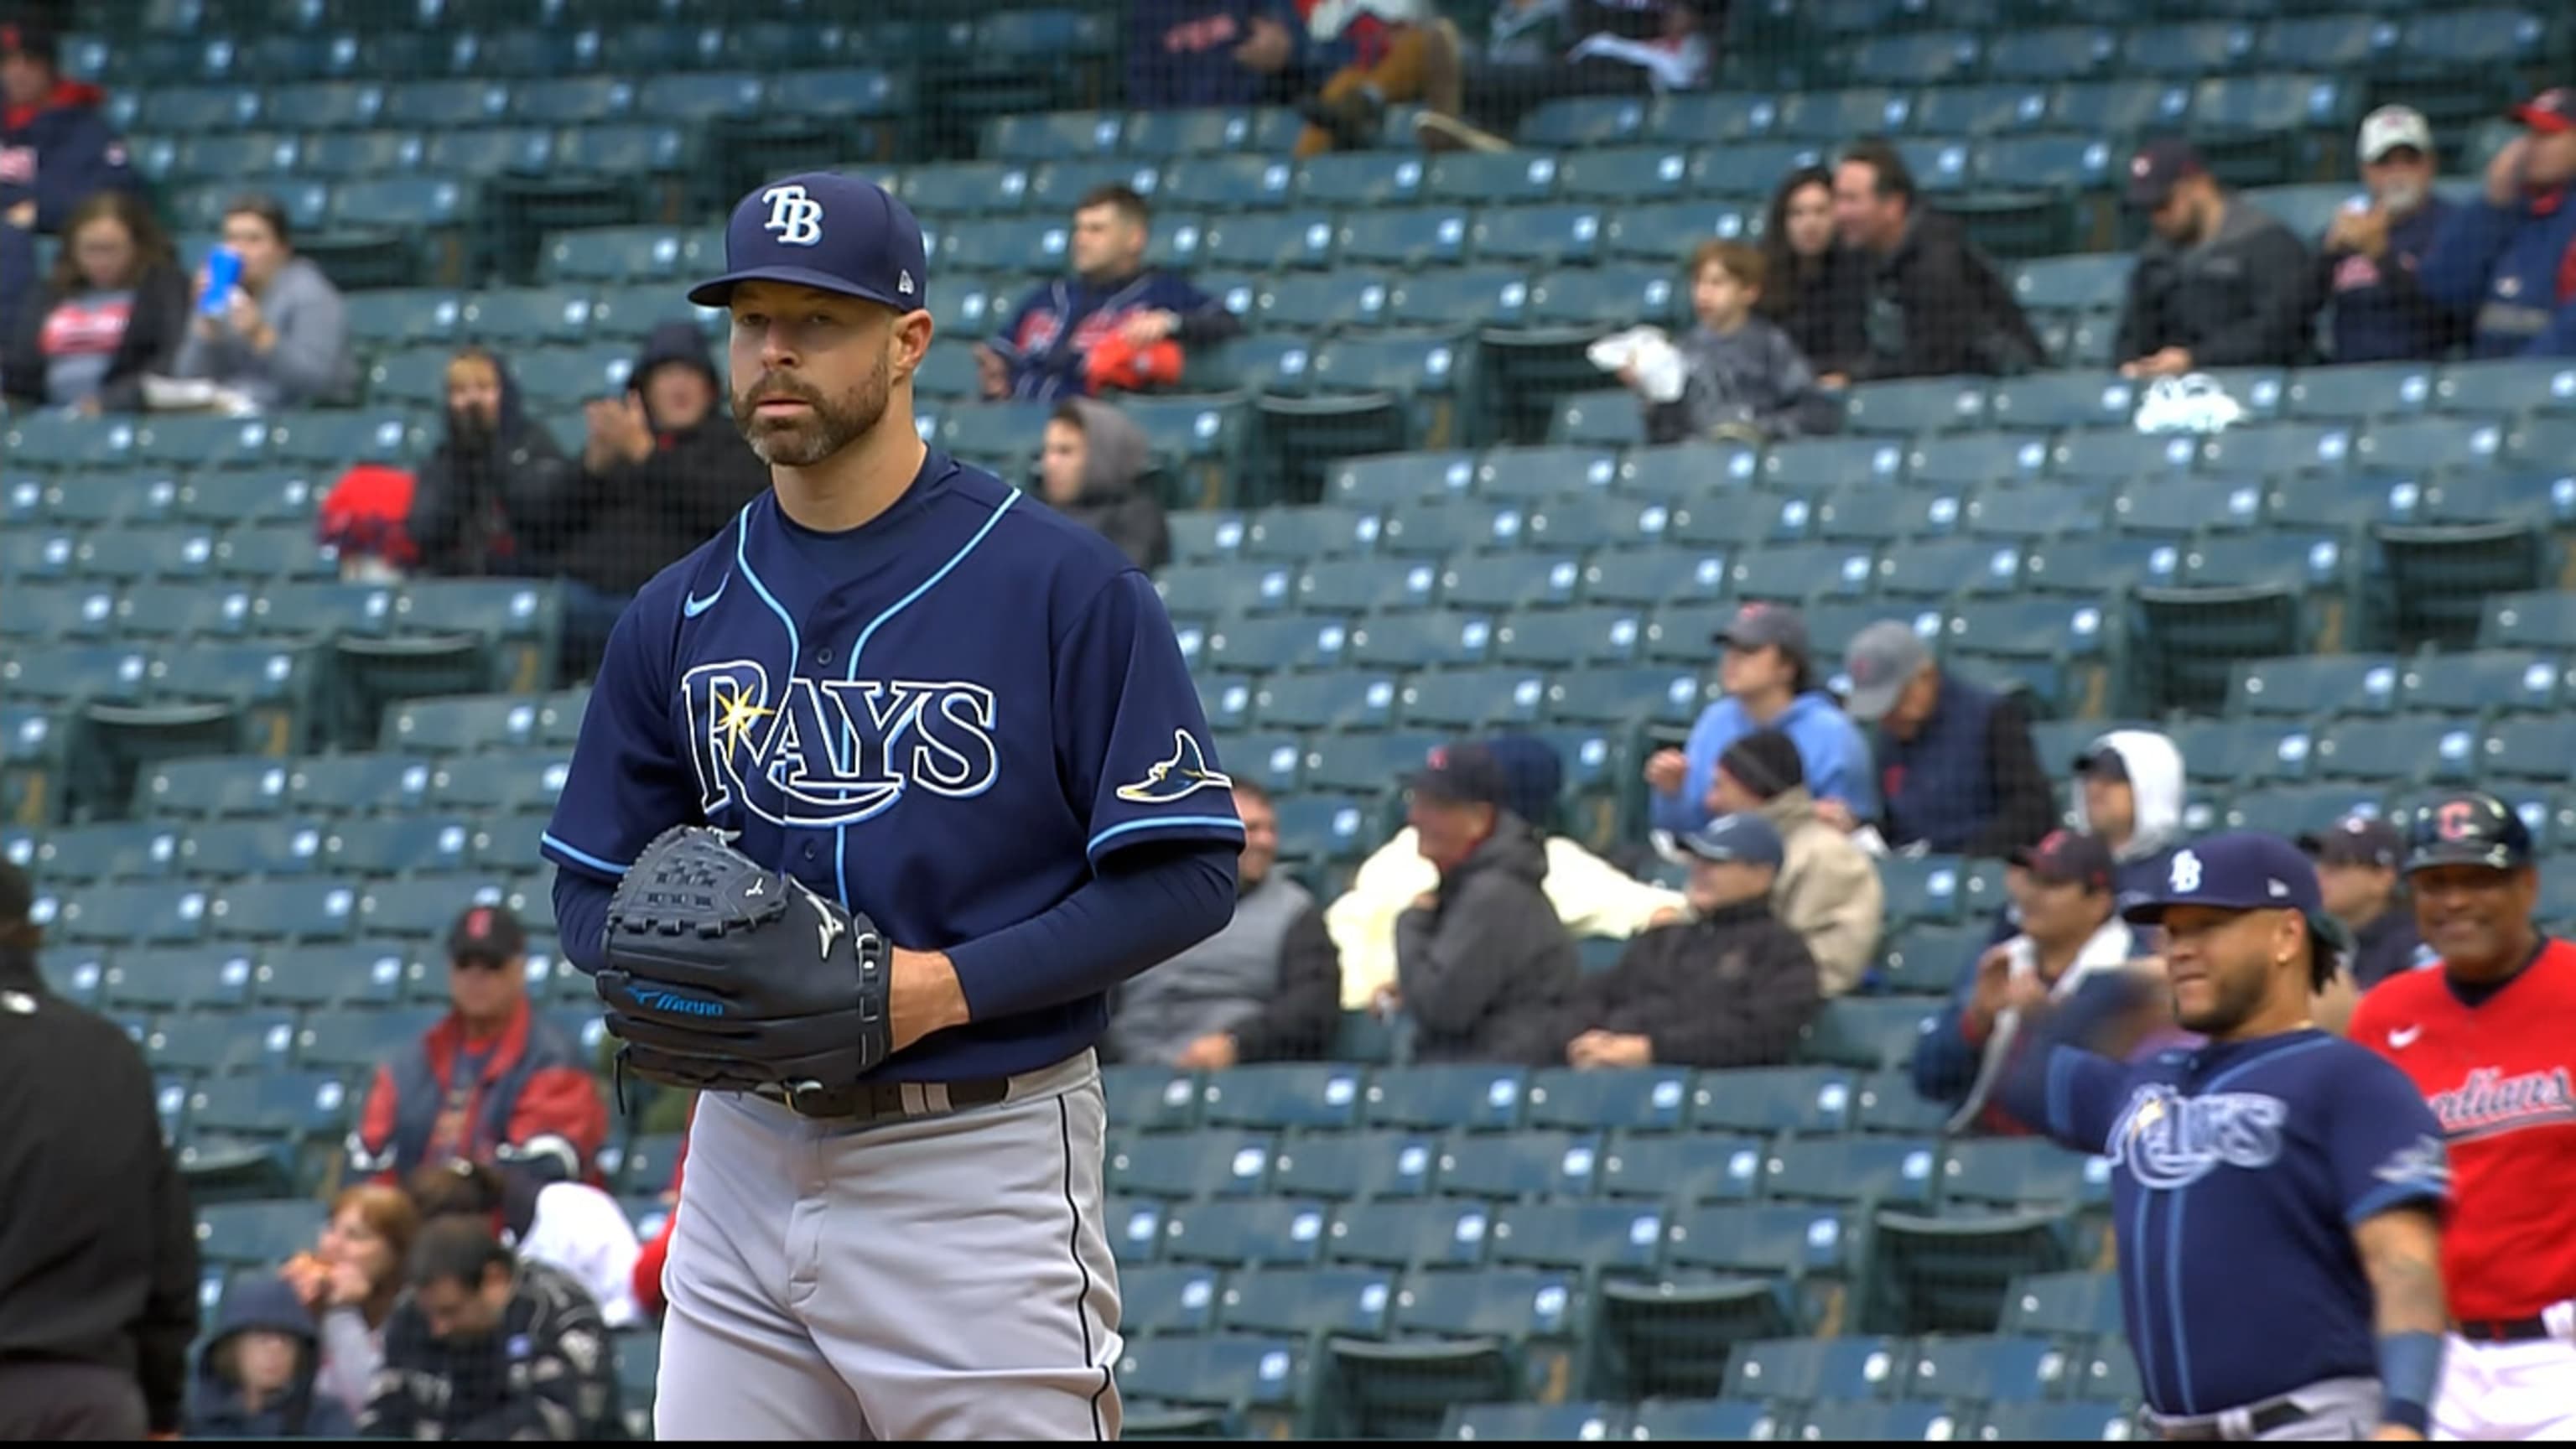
x=492 y=1082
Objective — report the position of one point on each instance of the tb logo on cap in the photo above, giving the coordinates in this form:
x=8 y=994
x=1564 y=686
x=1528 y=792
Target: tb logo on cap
x=796 y=217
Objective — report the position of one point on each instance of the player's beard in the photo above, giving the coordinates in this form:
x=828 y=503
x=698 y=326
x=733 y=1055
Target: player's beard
x=2234 y=998
x=826 y=427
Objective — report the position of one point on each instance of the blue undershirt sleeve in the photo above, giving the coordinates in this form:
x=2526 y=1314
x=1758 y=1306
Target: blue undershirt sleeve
x=1145 y=905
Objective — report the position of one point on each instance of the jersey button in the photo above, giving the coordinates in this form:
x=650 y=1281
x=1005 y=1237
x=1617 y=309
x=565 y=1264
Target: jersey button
x=822 y=656
x=810 y=851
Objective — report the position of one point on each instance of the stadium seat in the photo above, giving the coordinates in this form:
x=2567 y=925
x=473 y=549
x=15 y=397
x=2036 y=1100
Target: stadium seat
x=1522 y=1423
x=1173 y=1299
x=1310 y=1301
x=359 y=1038
x=2405 y=750
x=1311 y=1098
x=1192 y=1165
x=176 y=978
x=254 y=1042
x=1519 y=1165
x=2058 y=1423
x=1403 y=1234
x=1135 y=1228
x=1802 y=1369
x=329 y=975
x=1952 y=1273
x=1276 y=1231
x=1659 y=1339
x=258 y=1234
x=1372 y=1165
x=1221 y=1370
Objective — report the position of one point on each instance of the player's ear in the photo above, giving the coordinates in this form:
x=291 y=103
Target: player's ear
x=911 y=341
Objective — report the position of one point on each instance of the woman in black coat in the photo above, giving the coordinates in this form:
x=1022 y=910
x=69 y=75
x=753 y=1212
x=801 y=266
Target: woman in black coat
x=114 y=308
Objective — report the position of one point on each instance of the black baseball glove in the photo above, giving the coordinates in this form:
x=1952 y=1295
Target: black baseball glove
x=725 y=976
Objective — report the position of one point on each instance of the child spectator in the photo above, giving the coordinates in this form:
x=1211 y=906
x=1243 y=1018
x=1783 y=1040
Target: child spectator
x=256 y=1378
x=1093 y=471
x=1741 y=376
x=114 y=308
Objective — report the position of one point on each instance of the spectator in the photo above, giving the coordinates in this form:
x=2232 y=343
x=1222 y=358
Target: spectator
x=1828 y=890
x=663 y=469
x=114 y=308
x=1544 y=50
x=1266 y=988
x=1956 y=767
x=2357 y=859
x=1591 y=896
x=2511 y=251
x=1482 y=963
x=1813 y=288
x=279 y=338
x=484 y=1347
x=1094 y=471
x=647 y=1281
x=1769 y=674
x=1115 y=324
x=1373 y=52
x=256 y=1379
x=2368 y=261
x=490 y=499
x=1731 y=987
x=98 y=1243
x=2070 y=951
x=571 y=1226
x=2129 y=792
x=1742 y=378
x=492 y=1081
x=1228 y=53
x=350 y=1281
x=2219 y=283
x=56 y=151
x=1932 y=306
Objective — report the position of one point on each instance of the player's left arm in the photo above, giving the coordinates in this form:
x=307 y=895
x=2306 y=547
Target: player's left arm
x=1137 y=766
x=2385 y=1149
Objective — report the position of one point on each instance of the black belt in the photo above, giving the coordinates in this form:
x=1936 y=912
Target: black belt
x=2262 y=1419
x=887 y=1101
x=2504 y=1330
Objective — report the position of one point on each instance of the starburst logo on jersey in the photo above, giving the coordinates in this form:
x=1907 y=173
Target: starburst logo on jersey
x=828 y=752
x=1184 y=773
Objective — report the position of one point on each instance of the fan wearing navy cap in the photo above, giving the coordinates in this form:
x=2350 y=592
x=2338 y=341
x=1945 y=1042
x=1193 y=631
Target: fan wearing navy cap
x=929 y=700
x=1731 y=987
x=2276 y=1192
x=2489 y=1036
x=1482 y=961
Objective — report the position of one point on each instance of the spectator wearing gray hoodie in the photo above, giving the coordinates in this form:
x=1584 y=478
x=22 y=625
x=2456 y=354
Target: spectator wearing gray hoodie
x=1742 y=377
x=281 y=337
x=1092 y=469
x=2220 y=283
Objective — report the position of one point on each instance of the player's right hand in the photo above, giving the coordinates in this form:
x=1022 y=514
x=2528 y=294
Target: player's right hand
x=1665 y=769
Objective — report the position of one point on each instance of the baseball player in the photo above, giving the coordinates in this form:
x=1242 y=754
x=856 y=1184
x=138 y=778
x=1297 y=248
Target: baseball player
x=878 y=793
x=2489 y=1036
x=2275 y=1190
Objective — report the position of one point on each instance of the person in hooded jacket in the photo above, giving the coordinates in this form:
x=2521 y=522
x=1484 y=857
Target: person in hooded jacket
x=490 y=499
x=56 y=151
x=1731 y=987
x=662 y=470
x=256 y=1377
x=1483 y=967
x=1092 y=470
x=2129 y=791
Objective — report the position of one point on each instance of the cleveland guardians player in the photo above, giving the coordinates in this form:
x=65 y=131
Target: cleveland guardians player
x=2489 y=1035
x=878 y=793
x=2275 y=1190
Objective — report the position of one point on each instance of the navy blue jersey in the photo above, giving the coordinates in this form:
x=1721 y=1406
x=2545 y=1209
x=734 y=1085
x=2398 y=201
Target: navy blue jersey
x=946 y=718
x=2238 y=1172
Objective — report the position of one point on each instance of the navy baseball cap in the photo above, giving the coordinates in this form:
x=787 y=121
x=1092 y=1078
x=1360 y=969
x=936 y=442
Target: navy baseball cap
x=2241 y=870
x=486 y=933
x=2068 y=857
x=1467 y=773
x=2469 y=828
x=827 y=231
x=2159 y=166
x=1742 y=837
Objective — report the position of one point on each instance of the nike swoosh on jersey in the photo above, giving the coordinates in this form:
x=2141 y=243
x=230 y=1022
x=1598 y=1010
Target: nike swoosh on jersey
x=2405 y=1037
x=694 y=606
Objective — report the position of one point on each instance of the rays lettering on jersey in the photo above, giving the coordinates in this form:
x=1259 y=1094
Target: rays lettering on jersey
x=2489 y=1103
x=2172 y=1141
x=822 y=753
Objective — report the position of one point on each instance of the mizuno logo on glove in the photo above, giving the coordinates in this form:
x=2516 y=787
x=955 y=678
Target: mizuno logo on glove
x=655 y=998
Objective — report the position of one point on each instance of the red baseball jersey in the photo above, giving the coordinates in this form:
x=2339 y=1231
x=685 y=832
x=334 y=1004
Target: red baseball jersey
x=2501 y=1077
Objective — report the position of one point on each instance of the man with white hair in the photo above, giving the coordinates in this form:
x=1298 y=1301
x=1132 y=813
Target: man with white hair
x=2367 y=261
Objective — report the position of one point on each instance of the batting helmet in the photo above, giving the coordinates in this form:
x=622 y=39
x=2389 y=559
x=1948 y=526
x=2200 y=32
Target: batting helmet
x=2467 y=828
